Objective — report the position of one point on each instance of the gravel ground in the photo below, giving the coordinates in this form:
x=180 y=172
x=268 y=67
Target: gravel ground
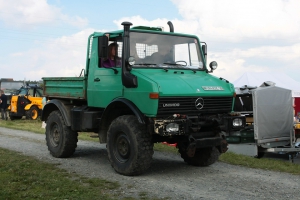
x=168 y=177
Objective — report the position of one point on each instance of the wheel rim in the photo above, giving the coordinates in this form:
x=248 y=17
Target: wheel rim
x=122 y=147
x=34 y=114
x=54 y=135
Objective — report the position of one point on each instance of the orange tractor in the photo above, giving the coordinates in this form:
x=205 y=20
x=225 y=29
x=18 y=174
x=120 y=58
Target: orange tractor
x=28 y=102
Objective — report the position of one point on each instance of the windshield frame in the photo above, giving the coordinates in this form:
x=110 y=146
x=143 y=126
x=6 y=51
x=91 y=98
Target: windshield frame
x=173 y=40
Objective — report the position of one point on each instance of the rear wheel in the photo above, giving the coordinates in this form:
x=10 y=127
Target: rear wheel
x=32 y=113
x=202 y=157
x=129 y=146
x=61 y=140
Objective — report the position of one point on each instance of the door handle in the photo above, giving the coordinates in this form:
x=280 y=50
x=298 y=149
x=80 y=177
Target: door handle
x=96 y=79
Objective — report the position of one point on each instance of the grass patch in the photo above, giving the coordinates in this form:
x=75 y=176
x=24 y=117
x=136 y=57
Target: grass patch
x=261 y=163
x=35 y=126
x=24 y=124
x=21 y=177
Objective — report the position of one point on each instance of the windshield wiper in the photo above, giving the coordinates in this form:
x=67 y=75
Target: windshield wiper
x=171 y=63
x=145 y=64
x=176 y=64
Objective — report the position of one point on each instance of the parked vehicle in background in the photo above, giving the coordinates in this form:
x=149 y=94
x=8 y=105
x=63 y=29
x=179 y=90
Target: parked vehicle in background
x=10 y=87
x=160 y=90
x=270 y=121
x=27 y=102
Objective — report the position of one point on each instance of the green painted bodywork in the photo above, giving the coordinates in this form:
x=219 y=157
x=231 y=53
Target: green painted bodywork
x=171 y=83
x=65 y=87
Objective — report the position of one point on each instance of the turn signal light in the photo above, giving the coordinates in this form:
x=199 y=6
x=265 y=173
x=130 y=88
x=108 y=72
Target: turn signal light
x=153 y=95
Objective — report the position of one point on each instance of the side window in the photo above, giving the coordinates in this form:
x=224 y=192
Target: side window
x=39 y=93
x=30 y=92
x=114 y=55
x=120 y=46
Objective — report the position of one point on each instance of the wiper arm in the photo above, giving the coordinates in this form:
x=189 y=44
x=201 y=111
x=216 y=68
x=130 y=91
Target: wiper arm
x=145 y=64
x=171 y=63
x=176 y=64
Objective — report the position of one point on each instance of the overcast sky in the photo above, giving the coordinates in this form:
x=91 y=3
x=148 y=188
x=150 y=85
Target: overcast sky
x=42 y=38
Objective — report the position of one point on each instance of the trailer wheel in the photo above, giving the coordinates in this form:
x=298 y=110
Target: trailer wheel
x=129 y=146
x=203 y=157
x=260 y=152
x=61 y=140
x=260 y=155
x=32 y=113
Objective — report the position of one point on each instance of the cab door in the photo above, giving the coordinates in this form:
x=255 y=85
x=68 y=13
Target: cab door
x=105 y=86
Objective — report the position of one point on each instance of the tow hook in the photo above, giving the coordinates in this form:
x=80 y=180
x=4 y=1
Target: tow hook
x=191 y=149
x=224 y=146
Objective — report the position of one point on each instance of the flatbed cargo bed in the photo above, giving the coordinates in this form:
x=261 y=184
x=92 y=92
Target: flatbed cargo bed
x=65 y=87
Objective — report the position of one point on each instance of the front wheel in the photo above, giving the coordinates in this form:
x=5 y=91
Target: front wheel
x=61 y=140
x=203 y=157
x=32 y=113
x=129 y=146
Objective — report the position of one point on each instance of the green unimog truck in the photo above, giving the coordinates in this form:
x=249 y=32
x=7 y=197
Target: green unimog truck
x=160 y=90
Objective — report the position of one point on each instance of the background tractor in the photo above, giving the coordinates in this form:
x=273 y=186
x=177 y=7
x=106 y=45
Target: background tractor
x=28 y=102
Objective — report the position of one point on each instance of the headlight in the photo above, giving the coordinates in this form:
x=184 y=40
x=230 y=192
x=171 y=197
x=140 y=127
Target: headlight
x=172 y=127
x=237 y=122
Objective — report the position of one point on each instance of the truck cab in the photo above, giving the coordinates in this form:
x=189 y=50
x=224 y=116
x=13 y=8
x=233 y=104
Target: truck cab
x=159 y=89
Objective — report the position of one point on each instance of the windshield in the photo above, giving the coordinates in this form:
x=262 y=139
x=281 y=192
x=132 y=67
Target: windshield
x=35 y=92
x=167 y=51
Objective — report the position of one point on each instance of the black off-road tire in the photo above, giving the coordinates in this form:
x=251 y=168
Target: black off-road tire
x=203 y=157
x=129 y=146
x=61 y=140
x=32 y=113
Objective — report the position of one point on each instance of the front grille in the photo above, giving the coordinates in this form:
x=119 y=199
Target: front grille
x=186 y=105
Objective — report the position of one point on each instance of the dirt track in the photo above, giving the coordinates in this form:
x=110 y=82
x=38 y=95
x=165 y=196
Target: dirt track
x=168 y=176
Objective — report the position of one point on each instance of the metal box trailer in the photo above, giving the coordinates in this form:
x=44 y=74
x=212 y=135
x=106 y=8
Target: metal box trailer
x=270 y=121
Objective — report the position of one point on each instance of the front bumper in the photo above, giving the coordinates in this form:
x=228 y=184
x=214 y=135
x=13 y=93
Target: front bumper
x=186 y=125
x=218 y=142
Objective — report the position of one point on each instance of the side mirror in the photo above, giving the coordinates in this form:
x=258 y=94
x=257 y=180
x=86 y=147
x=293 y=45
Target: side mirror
x=213 y=66
x=102 y=46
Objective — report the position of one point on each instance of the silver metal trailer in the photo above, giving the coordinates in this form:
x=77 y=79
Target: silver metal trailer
x=270 y=116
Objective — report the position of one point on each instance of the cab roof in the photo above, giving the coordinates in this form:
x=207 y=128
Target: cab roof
x=147 y=29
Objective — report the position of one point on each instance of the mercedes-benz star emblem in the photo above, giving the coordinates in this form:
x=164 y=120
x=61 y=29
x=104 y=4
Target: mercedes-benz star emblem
x=199 y=103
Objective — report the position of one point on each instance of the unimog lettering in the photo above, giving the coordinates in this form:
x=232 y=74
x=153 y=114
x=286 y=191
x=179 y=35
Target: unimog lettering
x=171 y=105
